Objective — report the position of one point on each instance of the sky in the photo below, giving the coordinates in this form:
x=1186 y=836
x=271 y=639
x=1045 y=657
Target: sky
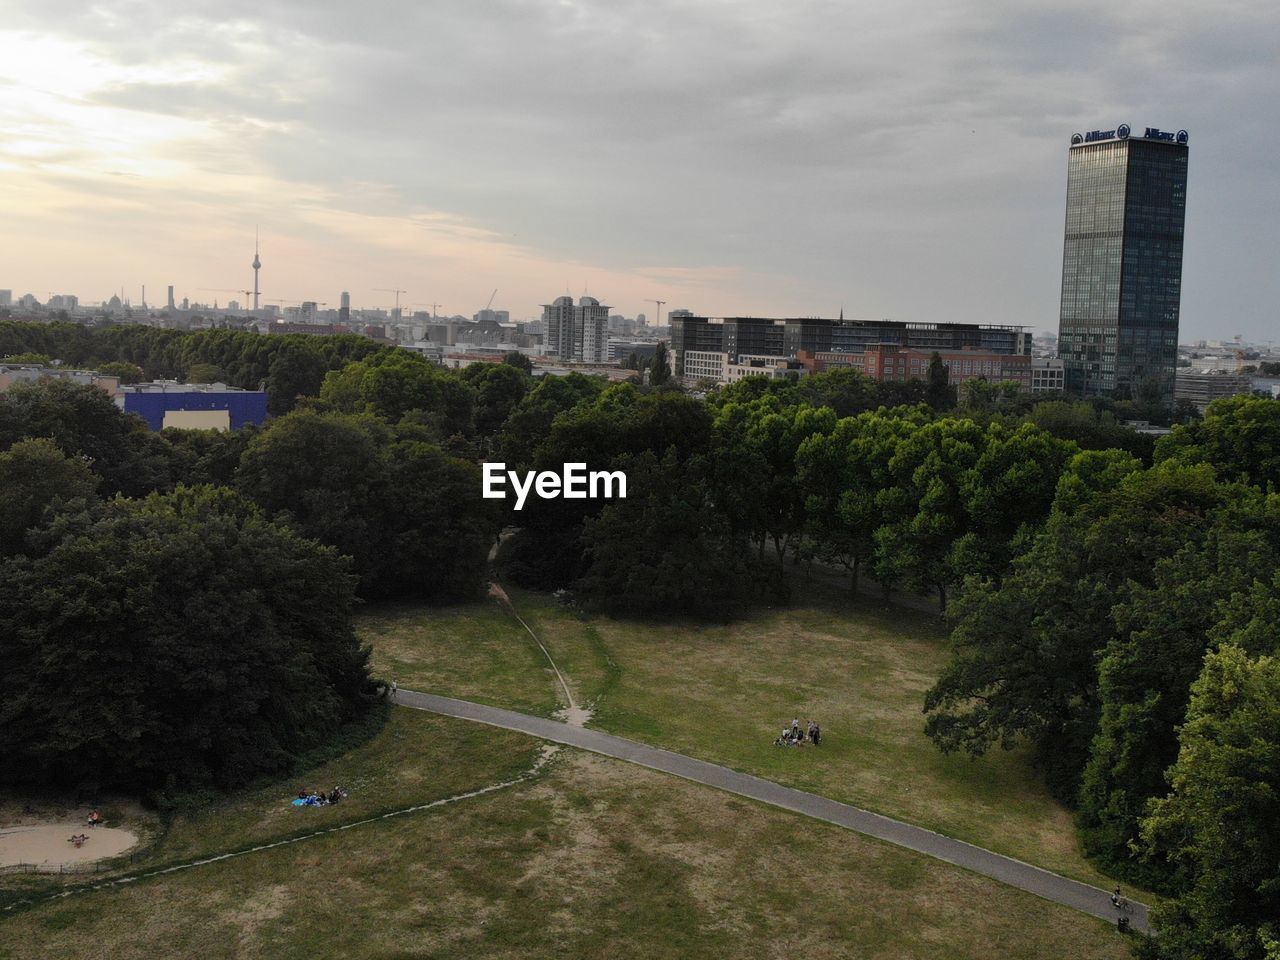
x=903 y=160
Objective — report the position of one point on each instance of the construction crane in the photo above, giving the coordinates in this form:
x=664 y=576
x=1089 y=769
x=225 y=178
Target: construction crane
x=659 y=304
x=396 y=292
x=491 y=296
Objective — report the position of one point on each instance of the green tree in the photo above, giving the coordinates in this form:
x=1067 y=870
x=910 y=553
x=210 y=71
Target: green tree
x=35 y=476
x=327 y=474
x=1239 y=436
x=1146 y=670
x=664 y=549
x=294 y=372
x=127 y=372
x=757 y=444
x=840 y=474
x=199 y=457
x=39 y=359
x=175 y=642
x=660 y=365
x=410 y=515
x=1220 y=823
x=1027 y=649
x=83 y=422
x=203 y=373
x=498 y=387
x=518 y=360
x=393 y=383
x=940 y=395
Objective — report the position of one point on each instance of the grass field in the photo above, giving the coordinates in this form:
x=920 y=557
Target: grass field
x=415 y=758
x=722 y=693
x=595 y=859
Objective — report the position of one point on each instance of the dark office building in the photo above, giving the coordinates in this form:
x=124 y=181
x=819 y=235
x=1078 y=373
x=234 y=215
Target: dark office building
x=778 y=337
x=1122 y=261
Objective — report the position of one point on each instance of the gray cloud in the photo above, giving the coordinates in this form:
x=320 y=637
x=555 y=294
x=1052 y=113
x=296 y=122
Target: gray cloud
x=906 y=159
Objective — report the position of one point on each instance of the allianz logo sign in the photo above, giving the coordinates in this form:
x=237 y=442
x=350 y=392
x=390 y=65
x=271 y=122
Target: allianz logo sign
x=574 y=482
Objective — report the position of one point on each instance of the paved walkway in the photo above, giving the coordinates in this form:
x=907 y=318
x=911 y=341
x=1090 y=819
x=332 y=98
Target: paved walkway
x=1015 y=873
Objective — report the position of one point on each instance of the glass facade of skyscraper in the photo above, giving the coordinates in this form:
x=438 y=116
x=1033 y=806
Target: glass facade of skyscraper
x=1122 y=263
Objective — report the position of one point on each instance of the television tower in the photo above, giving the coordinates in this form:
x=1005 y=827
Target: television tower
x=257 y=265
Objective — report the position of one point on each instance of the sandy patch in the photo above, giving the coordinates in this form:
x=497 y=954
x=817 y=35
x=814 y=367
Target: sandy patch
x=47 y=847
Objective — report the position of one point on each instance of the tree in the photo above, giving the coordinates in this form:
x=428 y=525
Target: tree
x=665 y=549
x=940 y=395
x=1027 y=649
x=980 y=395
x=438 y=529
x=203 y=373
x=530 y=421
x=198 y=457
x=1220 y=823
x=757 y=444
x=294 y=372
x=846 y=391
x=410 y=515
x=518 y=360
x=175 y=642
x=1145 y=674
x=127 y=372
x=1239 y=436
x=326 y=474
x=83 y=422
x=840 y=474
x=498 y=387
x=38 y=359
x=924 y=509
x=393 y=383
x=660 y=365
x=34 y=477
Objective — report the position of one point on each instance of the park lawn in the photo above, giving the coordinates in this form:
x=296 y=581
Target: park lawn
x=476 y=651
x=596 y=859
x=480 y=652
x=723 y=693
x=414 y=758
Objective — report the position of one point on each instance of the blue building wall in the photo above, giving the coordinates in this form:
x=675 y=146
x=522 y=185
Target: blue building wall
x=249 y=406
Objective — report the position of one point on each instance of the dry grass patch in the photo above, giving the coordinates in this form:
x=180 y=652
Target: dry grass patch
x=599 y=859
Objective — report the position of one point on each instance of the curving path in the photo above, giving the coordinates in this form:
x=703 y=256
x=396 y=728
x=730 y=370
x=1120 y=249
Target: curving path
x=1024 y=876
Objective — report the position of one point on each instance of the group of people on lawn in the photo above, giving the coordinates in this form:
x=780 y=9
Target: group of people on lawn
x=318 y=798
x=793 y=736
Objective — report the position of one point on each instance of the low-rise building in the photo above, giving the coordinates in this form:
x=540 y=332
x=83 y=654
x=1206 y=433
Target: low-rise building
x=11 y=373
x=193 y=406
x=1201 y=389
x=776 y=368
x=1047 y=375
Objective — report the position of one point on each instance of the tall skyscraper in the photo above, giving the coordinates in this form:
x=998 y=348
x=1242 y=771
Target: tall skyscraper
x=344 y=307
x=578 y=332
x=1122 y=262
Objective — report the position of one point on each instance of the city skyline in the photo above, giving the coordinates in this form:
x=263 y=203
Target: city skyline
x=906 y=163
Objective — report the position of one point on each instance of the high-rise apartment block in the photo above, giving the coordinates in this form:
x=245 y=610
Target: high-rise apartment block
x=1122 y=262
x=577 y=331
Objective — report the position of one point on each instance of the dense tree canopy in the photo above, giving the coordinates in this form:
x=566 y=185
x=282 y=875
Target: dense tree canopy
x=172 y=642
x=1220 y=823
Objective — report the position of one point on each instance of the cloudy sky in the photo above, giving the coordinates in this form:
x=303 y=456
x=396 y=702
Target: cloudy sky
x=904 y=160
